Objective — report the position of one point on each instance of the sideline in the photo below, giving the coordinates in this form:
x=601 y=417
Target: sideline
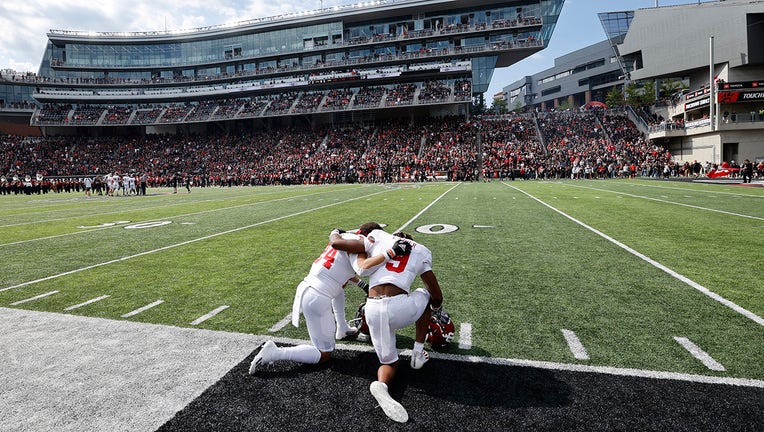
x=187 y=242
x=746 y=313
x=64 y=372
x=540 y=364
x=607 y=370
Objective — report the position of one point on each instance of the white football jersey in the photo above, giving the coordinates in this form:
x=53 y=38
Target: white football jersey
x=401 y=270
x=330 y=271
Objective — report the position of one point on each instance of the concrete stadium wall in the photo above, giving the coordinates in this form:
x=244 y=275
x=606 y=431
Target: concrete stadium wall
x=701 y=148
x=710 y=147
x=677 y=38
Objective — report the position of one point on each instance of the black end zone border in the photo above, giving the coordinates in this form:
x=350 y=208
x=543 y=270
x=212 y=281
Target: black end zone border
x=460 y=396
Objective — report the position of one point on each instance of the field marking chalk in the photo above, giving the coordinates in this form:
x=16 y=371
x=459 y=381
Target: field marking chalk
x=575 y=345
x=145 y=308
x=281 y=324
x=730 y=304
x=205 y=317
x=699 y=354
x=33 y=298
x=86 y=303
x=465 y=336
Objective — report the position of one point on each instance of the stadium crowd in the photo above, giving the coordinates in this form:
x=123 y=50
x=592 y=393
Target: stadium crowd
x=553 y=145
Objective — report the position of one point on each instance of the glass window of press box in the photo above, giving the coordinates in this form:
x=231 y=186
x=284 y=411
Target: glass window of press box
x=193 y=52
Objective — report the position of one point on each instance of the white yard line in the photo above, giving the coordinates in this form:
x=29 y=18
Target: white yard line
x=465 y=336
x=37 y=297
x=746 y=313
x=575 y=345
x=668 y=202
x=143 y=309
x=281 y=324
x=209 y=315
x=425 y=209
x=699 y=354
x=187 y=242
x=86 y=303
x=608 y=370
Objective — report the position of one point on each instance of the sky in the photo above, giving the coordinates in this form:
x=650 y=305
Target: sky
x=24 y=24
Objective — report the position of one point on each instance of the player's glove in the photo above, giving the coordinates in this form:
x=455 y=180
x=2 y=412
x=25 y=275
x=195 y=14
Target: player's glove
x=363 y=285
x=337 y=231
x=400 y=248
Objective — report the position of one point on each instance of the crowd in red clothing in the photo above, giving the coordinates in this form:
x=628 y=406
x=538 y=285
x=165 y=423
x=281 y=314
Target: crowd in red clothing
x=554 y=145
x=599 y=145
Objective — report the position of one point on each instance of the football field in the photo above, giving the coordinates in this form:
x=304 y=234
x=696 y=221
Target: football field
x=642 y=278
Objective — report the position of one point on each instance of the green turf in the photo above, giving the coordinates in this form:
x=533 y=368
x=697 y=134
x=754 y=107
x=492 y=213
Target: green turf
x=517 y=270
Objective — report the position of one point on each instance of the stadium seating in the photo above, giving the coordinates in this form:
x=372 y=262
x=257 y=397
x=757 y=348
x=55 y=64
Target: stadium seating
x=550 y=145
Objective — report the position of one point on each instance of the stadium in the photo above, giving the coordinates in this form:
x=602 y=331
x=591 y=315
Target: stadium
x=332 y=66
x=595 y=280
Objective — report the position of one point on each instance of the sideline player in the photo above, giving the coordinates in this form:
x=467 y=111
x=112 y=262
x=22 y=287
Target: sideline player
x=390 y=305
x=88 y=185
x=322 y=291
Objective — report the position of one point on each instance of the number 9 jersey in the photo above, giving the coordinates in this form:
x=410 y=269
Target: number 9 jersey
x=400 y=270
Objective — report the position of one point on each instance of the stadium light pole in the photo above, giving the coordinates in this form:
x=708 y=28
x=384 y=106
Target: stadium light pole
x=711 y=84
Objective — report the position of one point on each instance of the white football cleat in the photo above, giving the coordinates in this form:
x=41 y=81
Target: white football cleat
x=390 y=406
x=419 y=359
x=346 y=332
x=265 y=356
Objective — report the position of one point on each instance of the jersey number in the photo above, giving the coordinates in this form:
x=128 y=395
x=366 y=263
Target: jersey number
x=327 y=256
x=397 y=264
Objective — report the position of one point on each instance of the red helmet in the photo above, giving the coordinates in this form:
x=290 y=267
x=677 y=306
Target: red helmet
x=441 y=330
